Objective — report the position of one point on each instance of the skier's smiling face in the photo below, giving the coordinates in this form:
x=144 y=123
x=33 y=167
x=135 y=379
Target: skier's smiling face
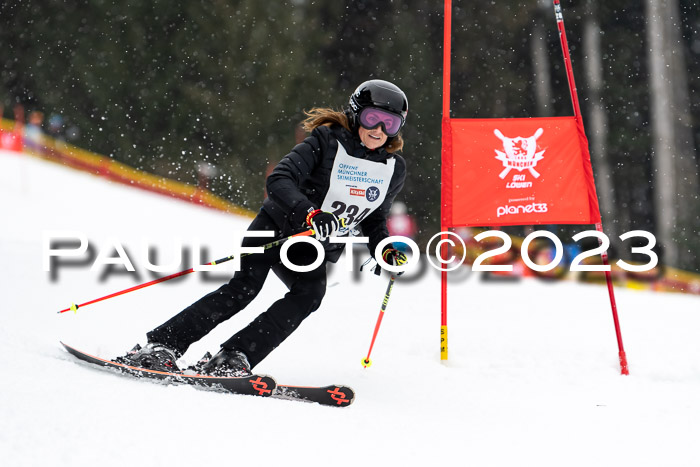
x=372 y=139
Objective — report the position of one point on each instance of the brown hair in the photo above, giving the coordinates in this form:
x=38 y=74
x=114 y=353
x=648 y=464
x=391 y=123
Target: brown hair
x=325 y=116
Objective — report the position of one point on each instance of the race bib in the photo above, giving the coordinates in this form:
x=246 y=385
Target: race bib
x=358 y=187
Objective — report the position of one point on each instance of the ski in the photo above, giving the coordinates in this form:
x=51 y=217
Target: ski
x=256 y=385
x=333 y=396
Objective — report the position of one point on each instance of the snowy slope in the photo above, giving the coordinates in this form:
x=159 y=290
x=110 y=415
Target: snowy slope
x=533 y=377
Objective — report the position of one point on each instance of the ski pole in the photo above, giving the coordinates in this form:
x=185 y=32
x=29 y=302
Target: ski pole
x=267 y=246
x=367 y=362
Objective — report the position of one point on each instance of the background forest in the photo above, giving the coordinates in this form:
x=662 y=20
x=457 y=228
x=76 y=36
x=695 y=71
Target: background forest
x=167 y=86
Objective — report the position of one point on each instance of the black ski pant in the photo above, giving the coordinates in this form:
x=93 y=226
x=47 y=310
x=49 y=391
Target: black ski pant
x=270 y=328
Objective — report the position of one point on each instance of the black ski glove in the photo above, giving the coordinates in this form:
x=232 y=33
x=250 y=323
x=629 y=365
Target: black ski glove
x=324 y=223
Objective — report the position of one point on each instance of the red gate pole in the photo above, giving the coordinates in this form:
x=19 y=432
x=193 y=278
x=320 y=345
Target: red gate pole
x=446 y=175
x=599 y=226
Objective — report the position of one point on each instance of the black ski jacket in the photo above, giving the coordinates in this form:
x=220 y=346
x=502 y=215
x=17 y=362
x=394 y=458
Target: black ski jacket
x=302 y=178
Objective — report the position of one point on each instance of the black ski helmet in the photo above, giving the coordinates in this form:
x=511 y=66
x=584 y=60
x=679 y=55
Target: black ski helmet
x=380 y=94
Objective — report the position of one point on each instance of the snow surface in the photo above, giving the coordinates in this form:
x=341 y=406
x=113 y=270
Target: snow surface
x=533 y=376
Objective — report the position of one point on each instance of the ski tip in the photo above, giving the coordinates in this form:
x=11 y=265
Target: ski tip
x=335 y=395
x=342 y=396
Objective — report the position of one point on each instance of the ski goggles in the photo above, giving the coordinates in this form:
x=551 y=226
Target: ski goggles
x=372 y=117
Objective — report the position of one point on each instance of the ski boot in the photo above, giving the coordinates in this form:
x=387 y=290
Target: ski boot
x=157 y=357
x=227 y=363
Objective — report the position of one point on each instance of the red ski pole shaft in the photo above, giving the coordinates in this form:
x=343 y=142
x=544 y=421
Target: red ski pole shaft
x=267 y=246
x=366 y=361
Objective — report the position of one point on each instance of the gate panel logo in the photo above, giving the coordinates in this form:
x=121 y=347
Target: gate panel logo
x=519 y=153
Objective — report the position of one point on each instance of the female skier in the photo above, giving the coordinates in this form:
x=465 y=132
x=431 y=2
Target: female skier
x=347 y=168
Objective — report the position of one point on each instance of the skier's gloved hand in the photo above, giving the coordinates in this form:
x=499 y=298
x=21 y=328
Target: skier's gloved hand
x=394 y=257
x=324 y=223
